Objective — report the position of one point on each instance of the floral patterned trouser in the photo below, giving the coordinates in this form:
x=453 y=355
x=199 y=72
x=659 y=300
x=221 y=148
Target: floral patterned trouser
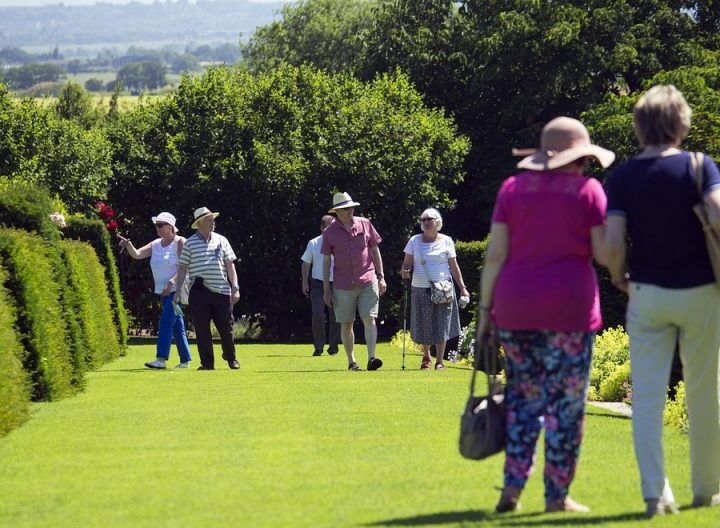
x=547 y=380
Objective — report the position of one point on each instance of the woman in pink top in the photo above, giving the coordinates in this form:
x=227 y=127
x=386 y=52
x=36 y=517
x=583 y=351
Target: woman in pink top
x=540 y=288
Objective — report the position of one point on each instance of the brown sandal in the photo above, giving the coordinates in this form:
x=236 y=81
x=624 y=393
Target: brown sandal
x=439 y=366
x=509 y=501
x=426 y=362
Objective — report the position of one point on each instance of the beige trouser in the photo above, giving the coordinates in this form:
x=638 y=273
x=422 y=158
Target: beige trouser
x=656 y=319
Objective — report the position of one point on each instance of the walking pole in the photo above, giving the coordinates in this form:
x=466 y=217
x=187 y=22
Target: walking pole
x=405 y=290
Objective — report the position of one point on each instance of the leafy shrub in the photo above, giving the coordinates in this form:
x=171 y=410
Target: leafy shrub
x=471 y=258
x=410 y=346
x=676 y=410
x=40 y=319
x=26 y=206
x=612 y=349
x=14 y=384
x=95 y=233
x=91 y=302
x=614 y=387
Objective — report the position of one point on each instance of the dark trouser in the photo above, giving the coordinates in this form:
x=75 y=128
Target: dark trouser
x=318 y=319
x=205 y=306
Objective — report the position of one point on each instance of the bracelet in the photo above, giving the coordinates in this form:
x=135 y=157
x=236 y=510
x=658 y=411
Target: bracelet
x=484 y=308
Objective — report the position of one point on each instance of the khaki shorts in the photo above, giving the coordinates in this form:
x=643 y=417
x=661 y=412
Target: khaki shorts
x=365 y=299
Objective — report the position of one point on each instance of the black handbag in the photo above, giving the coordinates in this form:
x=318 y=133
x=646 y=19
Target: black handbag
x=482 y=425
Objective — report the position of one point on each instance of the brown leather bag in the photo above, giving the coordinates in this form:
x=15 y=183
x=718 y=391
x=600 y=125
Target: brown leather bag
x=712 y=238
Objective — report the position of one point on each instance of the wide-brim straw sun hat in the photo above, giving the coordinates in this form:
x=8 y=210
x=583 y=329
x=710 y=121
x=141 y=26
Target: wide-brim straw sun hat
x=563 y=140
x=166 y=218
x=201 y=213
x=342 y=201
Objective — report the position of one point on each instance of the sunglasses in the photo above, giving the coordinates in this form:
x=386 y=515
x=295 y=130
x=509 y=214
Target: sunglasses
x=161 y=224
x=428 y=219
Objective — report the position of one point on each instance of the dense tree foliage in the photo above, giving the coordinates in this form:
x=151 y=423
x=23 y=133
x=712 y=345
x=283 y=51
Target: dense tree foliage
x=268 y=152
x=325 y=33
x=503 y=68
x=140 y=76
x=31 y=74
x=59 y=154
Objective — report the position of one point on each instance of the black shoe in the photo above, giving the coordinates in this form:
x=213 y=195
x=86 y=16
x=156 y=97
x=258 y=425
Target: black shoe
x=318 y=353
x=234 y=365
x=374 y=364
x=203 y=367
x=354 y=366
x=332 y=352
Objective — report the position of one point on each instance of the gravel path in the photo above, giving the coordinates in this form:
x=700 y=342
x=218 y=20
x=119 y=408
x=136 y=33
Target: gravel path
x=617 y=407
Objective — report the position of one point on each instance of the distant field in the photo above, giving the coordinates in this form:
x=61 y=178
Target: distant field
x=125 y=102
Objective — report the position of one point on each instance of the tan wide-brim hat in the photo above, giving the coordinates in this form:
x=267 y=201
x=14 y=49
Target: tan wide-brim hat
x=563 y=141
x=342 y=201
x=201 y=213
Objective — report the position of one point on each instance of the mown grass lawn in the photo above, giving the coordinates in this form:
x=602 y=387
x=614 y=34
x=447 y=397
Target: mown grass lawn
x=292 y=440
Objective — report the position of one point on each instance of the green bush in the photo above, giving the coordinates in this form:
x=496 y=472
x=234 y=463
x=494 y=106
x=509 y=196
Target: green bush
x=615 y=387
x=91 y=303
x=40 y=319
x=14 y=384
x=676 y=410
x=471 y=258
x=26 y=206
x=612 y=349
x=96 y=234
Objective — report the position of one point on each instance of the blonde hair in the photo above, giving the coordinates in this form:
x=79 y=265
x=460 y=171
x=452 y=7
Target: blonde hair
x=661 y=116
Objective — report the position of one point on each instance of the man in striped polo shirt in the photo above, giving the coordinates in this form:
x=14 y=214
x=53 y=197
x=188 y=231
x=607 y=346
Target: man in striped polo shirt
x=209 y=260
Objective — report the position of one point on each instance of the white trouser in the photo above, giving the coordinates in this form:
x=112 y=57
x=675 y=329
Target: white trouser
x=658 y=318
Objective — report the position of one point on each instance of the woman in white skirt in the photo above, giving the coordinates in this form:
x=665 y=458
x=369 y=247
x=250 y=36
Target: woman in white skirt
x=430 y=257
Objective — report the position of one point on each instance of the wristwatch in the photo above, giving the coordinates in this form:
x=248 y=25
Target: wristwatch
x=235 y=287
x=380 y=276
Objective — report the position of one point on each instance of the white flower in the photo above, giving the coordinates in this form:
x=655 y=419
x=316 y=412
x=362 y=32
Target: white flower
x=58 y=219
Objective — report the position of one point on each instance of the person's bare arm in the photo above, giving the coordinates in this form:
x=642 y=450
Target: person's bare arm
x=615 y=250
x=138 y=254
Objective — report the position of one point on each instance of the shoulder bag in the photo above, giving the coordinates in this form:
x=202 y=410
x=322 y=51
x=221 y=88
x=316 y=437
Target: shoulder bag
x=482 y=425
x=441 y=292
x=712 y=239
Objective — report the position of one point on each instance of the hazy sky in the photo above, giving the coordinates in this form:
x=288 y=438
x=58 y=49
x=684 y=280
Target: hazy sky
x=29 y=3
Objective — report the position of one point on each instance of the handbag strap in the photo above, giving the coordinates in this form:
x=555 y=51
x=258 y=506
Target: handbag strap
x=424 y=262
x=490 y=363
x=697 y=161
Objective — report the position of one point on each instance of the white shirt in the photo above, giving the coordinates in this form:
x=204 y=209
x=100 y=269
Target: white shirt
x=313 y=256
x=436 y=255
x=163 y=263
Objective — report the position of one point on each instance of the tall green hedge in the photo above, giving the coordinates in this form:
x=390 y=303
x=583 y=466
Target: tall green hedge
x=14 y=383
x=33 y=283
x=470 y=258
x=91 y=302
x=95 y=233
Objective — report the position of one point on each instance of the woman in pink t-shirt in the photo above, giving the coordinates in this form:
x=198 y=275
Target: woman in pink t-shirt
x=540 y=288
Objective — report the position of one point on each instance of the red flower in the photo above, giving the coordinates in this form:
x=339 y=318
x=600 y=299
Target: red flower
x=112 y=225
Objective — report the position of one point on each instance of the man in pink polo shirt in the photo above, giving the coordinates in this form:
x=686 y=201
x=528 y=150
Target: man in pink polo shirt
x=358 y=276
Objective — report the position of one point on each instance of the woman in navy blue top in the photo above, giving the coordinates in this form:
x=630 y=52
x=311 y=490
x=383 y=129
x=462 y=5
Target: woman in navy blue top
x=671 y=290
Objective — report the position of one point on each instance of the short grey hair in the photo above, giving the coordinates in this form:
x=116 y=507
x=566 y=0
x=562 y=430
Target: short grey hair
x=326 y=220
x=431 y=211
x=661 y=116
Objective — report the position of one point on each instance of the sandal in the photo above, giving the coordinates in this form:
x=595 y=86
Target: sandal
x=509 y=501
x=439 y=366
x=426 y=362
x=354 y=366
x=566 y=505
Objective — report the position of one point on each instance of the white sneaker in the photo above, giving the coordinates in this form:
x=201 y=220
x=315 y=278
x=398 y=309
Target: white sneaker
x=157 y=364
x=183 y=365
